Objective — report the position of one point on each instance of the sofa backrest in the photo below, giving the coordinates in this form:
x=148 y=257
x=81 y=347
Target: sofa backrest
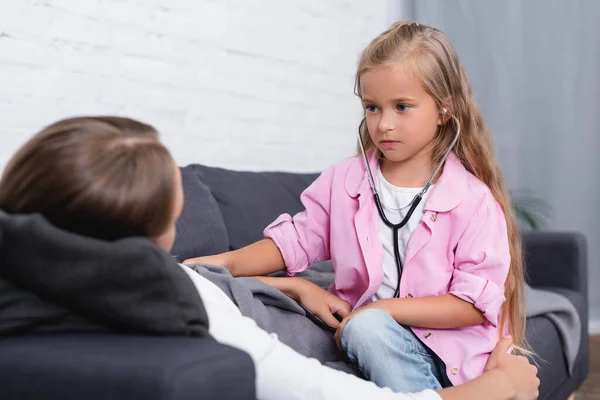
x=225 y=209
x=200 y=229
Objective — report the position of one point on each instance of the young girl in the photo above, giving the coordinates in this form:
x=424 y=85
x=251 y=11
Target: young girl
x=110 y=178
x=431 y=318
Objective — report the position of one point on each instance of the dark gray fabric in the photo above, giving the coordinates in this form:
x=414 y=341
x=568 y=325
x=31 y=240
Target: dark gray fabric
x=563 y=314
x=249 y=201
x=556 y=259
x=546 y=341
x=53 y=280
x=200 y=229
x=555 y=382
x=101 y=367
x=277 y=313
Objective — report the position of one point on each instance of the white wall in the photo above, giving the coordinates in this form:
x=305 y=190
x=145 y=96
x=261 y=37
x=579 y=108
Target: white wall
x=242 y=84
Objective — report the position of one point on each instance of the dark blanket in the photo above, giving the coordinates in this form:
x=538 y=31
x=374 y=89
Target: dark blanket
x=276 y=313
x=55 y=281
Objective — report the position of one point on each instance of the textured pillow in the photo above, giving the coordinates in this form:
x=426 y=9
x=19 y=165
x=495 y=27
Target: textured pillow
x=249 y=201
x=200 y=229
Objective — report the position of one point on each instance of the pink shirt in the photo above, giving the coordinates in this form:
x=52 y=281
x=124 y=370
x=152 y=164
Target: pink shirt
x=460 y=247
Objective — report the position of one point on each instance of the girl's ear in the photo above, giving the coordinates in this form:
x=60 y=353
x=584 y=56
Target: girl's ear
x=445 y=109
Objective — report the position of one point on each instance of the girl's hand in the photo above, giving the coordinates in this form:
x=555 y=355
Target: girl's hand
x=521 y=374
x=218 y=259
x=320 y=302
x=383 y=305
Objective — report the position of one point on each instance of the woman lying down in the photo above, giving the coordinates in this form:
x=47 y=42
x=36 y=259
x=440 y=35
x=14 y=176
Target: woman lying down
x=109 y=181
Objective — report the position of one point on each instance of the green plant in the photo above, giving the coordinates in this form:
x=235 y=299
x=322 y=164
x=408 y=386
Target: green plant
x=532 y=212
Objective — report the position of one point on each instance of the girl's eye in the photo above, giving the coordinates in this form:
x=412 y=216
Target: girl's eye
x=403 y=107
x=371 y=108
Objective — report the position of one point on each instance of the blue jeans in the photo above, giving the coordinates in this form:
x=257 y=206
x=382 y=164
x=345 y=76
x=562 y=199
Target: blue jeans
x=390 y=355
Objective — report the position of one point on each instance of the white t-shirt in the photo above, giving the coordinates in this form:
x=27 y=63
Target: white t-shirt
x=396 y=202
x=281 y=373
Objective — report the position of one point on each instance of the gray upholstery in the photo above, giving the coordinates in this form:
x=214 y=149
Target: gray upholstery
x=200 y=229
x=249 y=201
x=557 y=261
x=123 y=367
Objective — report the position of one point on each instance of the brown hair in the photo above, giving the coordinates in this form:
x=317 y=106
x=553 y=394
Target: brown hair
x=427 y=53
x=103 y=177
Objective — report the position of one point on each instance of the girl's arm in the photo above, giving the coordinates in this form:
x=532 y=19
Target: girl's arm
x=291 y=287
x=316 y=299
x=260 y=258
x=482 y=260
x=293 y=243
x=439 y=312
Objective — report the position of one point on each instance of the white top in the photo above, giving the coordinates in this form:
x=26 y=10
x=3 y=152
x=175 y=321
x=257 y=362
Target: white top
x=281 y=373
x=396 y=202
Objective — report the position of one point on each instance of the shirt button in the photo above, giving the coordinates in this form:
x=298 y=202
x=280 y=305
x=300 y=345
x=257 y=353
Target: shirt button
x=410 y=296
x=427 y=334
x=433 y=217
x=454 y=371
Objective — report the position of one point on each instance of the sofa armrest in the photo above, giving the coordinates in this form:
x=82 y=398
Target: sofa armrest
x=123 y=367
x=556 y=259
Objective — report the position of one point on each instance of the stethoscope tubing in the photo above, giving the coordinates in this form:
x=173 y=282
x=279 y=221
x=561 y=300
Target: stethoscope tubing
x=414 y=202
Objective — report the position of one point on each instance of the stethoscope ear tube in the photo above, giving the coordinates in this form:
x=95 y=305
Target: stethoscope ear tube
x=364 y=153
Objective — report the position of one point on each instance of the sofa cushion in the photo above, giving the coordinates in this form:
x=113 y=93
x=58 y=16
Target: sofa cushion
x=200 y=229
x=118 y=367
x=249 y=201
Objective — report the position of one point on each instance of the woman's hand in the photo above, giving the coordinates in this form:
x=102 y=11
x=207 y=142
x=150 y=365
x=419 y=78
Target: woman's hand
x=321 y=302
x=521 y=374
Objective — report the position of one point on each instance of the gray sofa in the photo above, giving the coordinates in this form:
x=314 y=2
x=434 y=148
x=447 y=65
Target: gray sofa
x=227 y=209
x=122 y=367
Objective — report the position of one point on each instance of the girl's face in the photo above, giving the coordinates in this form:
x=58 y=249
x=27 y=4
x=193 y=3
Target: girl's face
x=166 y=240
x=401 y=116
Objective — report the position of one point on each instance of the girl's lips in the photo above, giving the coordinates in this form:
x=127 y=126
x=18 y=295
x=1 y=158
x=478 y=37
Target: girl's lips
x=389 y=144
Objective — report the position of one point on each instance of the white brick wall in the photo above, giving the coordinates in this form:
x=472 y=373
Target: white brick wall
x=246 y=84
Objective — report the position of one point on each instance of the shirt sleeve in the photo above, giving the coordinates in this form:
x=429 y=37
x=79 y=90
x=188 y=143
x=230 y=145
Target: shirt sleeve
x=482 y=260
x=304 y=238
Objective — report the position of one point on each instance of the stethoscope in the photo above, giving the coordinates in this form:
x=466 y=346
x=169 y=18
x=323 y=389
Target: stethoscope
x=415 y=201
x=395 y=227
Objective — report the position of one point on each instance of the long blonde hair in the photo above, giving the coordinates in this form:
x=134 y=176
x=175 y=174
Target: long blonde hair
x=427 y=53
